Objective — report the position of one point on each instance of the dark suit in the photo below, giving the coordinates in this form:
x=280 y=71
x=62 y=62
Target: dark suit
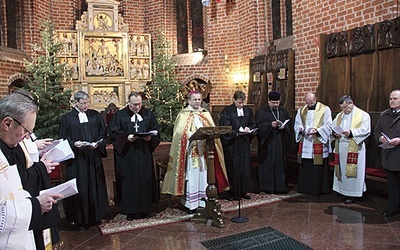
x=390 y=125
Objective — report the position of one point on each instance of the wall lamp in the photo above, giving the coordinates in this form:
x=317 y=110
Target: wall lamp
x=240 y=80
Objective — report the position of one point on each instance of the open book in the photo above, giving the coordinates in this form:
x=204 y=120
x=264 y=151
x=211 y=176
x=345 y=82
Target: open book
x=282 y=124
x=91 y=144
x=67 y=189
x=144 y=134
x=59 y=151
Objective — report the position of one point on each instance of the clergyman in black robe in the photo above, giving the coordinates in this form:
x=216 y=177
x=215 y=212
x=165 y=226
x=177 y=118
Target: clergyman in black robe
x=136 y=183
x=80 y=125
x=273 y=142
x=237 y=146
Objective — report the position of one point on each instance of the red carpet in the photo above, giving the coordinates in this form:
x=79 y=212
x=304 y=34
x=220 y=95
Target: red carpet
x=169 y=215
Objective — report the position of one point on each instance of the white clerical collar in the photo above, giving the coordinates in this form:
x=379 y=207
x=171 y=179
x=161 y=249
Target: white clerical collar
x=240 y=112
x=82 y=116
x=139 y=118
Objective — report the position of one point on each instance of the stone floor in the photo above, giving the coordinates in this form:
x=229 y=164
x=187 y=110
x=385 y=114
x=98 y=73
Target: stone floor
x=320 y=222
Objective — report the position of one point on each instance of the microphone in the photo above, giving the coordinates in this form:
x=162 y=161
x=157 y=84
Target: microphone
x=230 y=118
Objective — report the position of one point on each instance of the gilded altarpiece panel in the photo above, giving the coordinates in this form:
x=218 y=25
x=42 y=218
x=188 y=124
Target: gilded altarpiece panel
x=103 y=58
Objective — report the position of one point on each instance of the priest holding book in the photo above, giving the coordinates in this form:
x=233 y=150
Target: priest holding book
x=134 y=134
x=78 y=126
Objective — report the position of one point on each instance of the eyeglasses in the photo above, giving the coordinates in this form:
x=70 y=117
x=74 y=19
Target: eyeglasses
x=27 y=131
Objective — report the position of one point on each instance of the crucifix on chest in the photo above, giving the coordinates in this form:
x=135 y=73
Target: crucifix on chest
x=136 y=126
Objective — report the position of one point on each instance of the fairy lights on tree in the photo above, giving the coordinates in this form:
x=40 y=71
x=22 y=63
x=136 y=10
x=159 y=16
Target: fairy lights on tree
x=164 y=93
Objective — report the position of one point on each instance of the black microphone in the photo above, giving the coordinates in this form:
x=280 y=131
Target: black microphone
x=230 y=118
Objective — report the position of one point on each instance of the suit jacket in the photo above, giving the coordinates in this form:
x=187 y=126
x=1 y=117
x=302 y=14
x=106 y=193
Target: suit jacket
x=388 y=124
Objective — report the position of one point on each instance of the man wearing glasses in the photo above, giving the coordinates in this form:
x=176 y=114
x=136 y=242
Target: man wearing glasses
x=21 y=211
x=350 y=128
x=85 y=131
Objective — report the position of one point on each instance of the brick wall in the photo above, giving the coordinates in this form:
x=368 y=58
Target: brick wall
x=238 y=30
x=311 y=18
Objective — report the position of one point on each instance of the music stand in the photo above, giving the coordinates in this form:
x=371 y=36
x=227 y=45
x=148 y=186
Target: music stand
x=212 y=209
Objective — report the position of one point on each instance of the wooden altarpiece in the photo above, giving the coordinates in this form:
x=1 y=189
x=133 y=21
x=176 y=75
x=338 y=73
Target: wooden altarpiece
x=104 y=59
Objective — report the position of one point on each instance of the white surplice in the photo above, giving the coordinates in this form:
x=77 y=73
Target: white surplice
x=352 y=186
x=196 y=172
x=324 y=133
x=15 y=210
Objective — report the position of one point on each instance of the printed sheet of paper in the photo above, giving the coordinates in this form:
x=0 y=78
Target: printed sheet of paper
x=60 y=152
x=67 y=189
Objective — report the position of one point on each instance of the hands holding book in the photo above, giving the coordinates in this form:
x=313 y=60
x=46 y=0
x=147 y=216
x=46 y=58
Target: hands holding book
x=142 y=135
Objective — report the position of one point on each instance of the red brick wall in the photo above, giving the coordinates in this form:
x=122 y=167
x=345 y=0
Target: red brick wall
x=311 y=18
x=238 y=30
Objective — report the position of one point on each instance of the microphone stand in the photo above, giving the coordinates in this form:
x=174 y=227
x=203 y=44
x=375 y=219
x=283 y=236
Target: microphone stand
x=239 y=218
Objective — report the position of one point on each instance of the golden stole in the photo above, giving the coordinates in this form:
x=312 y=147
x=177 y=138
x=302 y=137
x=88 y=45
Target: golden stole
x=352 y=155
x=318 y=121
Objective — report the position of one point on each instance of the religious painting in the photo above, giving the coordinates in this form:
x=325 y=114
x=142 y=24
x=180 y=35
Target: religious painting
x=104 y=57
x=69 y=43
x=103 y=94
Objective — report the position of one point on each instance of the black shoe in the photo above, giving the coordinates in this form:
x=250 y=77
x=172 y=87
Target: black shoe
x=130 y=217
x=349 y=201
x=192 y=211
x=230 y=198
x=246 y=196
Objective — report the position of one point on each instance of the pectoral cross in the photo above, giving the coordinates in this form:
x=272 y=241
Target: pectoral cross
x=136 y=127
x=136 y=123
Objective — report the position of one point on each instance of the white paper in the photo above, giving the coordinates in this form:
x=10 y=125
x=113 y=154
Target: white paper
x=91 y=144
x=241 y=130
x=386 y=144
x=338 y=130
x=386 y=137
x=61 y=152
x=50 y=146
x=67 y=189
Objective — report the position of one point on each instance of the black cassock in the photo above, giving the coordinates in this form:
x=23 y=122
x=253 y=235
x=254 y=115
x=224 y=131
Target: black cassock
x=34 y=179
x=90 y=205
x=136 y=182
x=273 y=144
x=237 y=149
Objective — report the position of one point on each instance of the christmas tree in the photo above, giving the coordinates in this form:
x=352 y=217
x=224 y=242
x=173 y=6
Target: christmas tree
x=164 y=93
x=48 y=75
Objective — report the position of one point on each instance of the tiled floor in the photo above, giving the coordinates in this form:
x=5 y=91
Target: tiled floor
x=320 y=222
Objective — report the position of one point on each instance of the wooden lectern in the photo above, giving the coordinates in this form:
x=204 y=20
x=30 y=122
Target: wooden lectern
x=212 y=209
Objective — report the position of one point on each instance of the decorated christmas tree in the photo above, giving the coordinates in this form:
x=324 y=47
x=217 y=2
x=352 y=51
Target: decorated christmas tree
x=48 y=75
x=164 y=93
